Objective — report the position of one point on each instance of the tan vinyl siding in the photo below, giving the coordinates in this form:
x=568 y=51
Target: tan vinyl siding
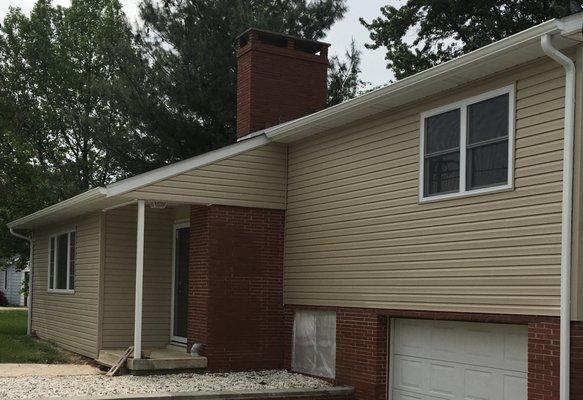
x=357 y=236
x=252 y=179
x=120 y=273
x=69 y=320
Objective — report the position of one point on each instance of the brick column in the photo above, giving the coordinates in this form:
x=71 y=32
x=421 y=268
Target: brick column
x=361 y=349
x=361 y=352
x=236 y=286
x=543 y=360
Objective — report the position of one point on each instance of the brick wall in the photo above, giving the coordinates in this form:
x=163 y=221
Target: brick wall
x=361 y=348
x=278 y=83
x=543 y=360
x=361 y=344
x=236 y=286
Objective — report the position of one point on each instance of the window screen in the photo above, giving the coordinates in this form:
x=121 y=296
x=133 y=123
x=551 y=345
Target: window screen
x=487 y=146
x=467 y=147
x=62 y=261
x=314 y=345
x=442 y=158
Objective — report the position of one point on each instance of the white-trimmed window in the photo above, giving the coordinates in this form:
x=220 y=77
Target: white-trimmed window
x=314 y=343
x=62 y=262
x=467 y=147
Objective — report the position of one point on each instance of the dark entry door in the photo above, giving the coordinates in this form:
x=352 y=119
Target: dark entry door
x=180 y=283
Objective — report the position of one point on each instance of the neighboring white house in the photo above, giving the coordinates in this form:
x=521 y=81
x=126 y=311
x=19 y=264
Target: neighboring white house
x=10 y=284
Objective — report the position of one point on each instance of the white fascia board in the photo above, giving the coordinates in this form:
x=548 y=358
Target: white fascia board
x=81 y=199
x=432 y=75
x=148 y=178
x=571 y=25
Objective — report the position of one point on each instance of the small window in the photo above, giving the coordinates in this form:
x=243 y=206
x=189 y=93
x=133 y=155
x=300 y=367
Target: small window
x=62 y=262
x=314 y=343
x=467 y=147
x=6 y=279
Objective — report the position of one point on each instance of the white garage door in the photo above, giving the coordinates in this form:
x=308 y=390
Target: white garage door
x=436 y=360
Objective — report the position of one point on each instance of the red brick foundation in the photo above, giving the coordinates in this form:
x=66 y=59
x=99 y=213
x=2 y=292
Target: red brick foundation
x=361 y=344
x=543 y=360
x=361 y=348
x=236 y=286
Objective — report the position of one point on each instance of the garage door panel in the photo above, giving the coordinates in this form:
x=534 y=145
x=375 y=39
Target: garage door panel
x=409 y=373
x=399 y=395
x=493 y=345
x=444 y=360
x=515 y=387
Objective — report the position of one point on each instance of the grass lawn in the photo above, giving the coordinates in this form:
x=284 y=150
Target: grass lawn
x=16 y=347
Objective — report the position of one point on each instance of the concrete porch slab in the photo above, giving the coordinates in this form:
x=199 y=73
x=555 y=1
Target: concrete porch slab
x=157 y=360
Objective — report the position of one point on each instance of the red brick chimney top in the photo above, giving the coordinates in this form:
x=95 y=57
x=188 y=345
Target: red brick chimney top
x=279 y=78
x=282 y=40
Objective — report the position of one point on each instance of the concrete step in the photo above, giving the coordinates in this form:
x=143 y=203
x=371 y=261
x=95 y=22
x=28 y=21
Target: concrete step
x=166 y=359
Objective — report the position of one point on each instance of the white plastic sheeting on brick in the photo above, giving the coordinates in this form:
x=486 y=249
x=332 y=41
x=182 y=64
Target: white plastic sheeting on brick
x=314 y=344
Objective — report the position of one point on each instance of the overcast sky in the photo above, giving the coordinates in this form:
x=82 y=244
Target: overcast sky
x=373 y=63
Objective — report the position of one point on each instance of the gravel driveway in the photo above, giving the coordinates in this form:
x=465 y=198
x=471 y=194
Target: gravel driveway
x=42 y=386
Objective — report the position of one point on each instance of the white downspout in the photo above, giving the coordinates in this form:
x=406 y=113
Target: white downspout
x=29 y=240
x=567 y=211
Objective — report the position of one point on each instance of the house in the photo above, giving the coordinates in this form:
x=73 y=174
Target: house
x=422 y=241
x=11 y=280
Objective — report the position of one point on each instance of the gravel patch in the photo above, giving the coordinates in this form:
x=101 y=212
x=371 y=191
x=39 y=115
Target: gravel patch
x=35 y=387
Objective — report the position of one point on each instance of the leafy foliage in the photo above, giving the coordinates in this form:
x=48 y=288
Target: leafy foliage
x=25 y=285
x=59 y=69
x=423 y=33
x=85 y=100
x=344 y=81
x=185 y=97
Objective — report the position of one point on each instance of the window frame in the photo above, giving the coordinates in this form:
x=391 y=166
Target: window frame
x=54 y=236
x=463 y=105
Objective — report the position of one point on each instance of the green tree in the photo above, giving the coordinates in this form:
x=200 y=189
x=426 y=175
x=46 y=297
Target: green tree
x=424 y=33
x=59 y=117
x=185 y=99
x=344 y=81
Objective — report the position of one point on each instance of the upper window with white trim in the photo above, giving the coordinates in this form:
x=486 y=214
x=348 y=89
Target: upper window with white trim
x=62 y=262
x=466 y=147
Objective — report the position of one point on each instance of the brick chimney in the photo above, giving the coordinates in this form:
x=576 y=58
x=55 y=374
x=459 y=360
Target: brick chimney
x=279 y=78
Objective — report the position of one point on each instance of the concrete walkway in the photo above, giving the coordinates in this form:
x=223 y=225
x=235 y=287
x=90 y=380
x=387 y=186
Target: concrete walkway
x=25 y=370
x=13 y=309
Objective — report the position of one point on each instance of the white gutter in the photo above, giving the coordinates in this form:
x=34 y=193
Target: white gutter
x=79 y=200
x=566 y=213
x=372 y=102
x=29 y=314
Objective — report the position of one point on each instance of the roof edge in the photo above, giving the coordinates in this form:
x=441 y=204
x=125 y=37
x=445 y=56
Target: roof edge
x=89 y=195
x=168 y=171
x=288 y=129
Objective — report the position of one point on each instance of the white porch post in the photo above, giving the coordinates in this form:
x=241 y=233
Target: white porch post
x=139 y=280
